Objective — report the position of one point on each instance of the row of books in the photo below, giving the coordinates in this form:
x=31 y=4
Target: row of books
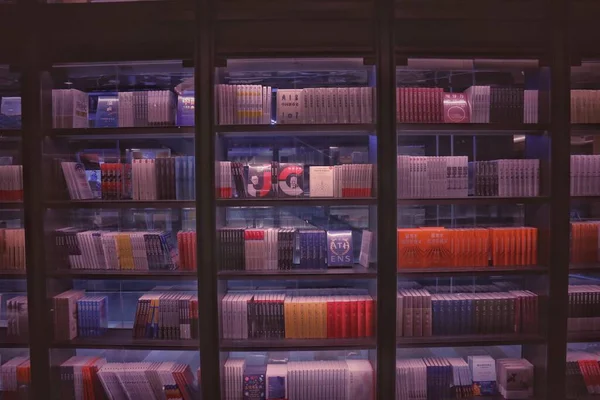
x=464 y=247
x=17 y=316
x=584 y=308
x=454 y=176
x=425 y=177
x=11 y=182
x=233 y=179
x=585 y=106
x=300 y=314
x=455 y=378
x=12 y=249
x=585 y=242
x=93 y=378
x=298 y=380
x=477 y=104
x=188 y=251
x=101 y=250
x=76 y=314
x=243 y=104
x=172 y=178
x=168 y=315
x=585 y=175
x=583 y=374
x=137 y=109
x=421 y=313
x=16 y=378
x=273 y=249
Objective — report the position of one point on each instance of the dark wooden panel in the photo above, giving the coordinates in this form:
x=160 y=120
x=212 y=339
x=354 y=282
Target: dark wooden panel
x=294 y=10
x=469 y=9
x=295 y=38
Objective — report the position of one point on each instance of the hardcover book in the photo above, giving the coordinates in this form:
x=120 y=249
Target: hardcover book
x=260 y=181
x=321 y=181
x=185 y=110
x=456 y=108
x=290 y=180
x=107 y=113
x=289 y=106
x=483 y=371
x=254 y=387
x=339 y=249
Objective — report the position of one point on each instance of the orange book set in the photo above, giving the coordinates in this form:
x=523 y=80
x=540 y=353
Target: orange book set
x=584 y=242
x=466 y=247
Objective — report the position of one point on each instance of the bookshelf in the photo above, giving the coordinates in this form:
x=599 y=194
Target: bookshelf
x=214 y=43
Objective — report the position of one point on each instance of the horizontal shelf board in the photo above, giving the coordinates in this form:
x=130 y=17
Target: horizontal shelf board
x=585 y=199
x=471 y=129
x=11 y=133
x=583 y=268
x=99 y=133
x=13 y=274
x=11 y=205
x=467 y=271
x=12 y=342
x=296 y=344
x=583 y=337
x=73 y=204
x=473 y=200
x=357 y=272
x=585 y=129
x=111 y=274
x=297 y=201
x=122 y=338
x=296 y=129
x=469 y=340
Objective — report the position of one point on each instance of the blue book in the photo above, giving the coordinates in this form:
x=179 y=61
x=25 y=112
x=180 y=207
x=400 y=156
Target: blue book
x=190 y=176
x=254 y=383
x=178 y=173
x=107 y=113
x=185 y=110
x=339 y=249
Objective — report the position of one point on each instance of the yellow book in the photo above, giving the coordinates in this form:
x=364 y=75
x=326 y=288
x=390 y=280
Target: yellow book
x=323 y=317
x=287 y=317
x=314 y=326
x=302 y=325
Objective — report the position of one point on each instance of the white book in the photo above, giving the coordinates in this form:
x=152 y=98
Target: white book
x=289 y=106
x=321 y=181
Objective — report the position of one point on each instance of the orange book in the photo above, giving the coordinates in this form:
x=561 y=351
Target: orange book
x=495 y=240
x=534 y=246
x=511 y=237
x=436 y=247
x=409 y=248
x=369 y=316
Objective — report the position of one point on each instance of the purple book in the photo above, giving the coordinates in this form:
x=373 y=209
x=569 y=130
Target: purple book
x=339 y=249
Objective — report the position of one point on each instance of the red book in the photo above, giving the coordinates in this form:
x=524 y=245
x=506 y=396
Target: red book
x=339 y=313
x=331 y=325
x=369 y=317
x=361 y=316
x=456 y=108
x=354 y=317
x=345 y=318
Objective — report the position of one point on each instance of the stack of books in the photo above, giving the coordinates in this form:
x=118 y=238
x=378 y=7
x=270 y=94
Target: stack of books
x=141 y=109
x=433 y=378
x=585 y=106
x=243 y=104
x=11 y=182
x=420 y=105
x=95 y=378
x=299 y=314
x=233 y=180
x=347 y=105
x=422 y=177
x=17 y=317
x=584 y=242
x=505 y=178
x=101 y=250
x=585 y=175
x=584 y=308
x=168 y=315
x=514 y=377
x=12 y=249
x=168 y=178
x=583 y=370
x=299 y=380
x=79 y=315
x=186 y=244
x=70 y=108
x=464 y=247
x=16 y=378
x=421 y=313
x=280 y=249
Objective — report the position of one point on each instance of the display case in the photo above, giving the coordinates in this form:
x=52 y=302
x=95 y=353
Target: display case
x=296 y=222
x=473 y=200
x=120 y=227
